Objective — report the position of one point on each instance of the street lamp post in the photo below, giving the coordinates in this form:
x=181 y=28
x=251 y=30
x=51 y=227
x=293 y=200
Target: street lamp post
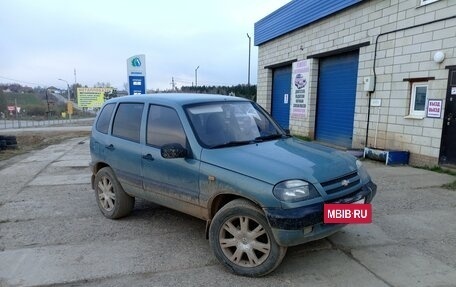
x=248 y=70
x=69 y=100
x=196 y=76
x=47 y=100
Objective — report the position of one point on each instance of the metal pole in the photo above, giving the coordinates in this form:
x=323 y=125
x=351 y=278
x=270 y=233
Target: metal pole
x=196 y=76
x=15 y=111
x=69 y=100
x=248 y=71
x=47 y=100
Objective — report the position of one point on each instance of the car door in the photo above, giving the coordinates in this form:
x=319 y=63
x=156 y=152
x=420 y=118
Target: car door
x=123 y=149
x=169 y=182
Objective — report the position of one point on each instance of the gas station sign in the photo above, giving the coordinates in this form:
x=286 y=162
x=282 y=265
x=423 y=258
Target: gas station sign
x=136 y=70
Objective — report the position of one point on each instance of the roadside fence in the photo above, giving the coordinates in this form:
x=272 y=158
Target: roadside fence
x=17 y=123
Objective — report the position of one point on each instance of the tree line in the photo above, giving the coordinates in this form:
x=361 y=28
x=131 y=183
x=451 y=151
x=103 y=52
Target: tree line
x=45 y=97
x=244 y=91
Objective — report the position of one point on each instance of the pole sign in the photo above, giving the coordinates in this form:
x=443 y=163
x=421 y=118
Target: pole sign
x=136 y=70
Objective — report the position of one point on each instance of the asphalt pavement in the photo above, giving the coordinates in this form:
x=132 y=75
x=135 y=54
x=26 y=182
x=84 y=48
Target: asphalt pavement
x=52 y=234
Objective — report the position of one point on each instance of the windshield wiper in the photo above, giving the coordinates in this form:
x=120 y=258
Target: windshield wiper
x=269 y=137
x=231 y=143
x=256 y=140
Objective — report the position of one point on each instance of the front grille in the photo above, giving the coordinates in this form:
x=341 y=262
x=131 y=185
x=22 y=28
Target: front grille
x=351 y=197
x=341 y=183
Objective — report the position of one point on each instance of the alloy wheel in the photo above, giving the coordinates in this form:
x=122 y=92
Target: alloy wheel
x=244 y=241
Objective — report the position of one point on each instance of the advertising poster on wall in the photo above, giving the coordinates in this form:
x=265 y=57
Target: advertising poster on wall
x=300 y=89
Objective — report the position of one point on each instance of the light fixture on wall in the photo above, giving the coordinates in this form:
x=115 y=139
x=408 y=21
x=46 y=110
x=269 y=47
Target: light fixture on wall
x=439 y=56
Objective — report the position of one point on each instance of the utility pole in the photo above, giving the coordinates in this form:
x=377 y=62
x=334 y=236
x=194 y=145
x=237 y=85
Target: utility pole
x=75 y=87
x=47 y=100
x=15 y=106
x=248 y=70
x=173 y=85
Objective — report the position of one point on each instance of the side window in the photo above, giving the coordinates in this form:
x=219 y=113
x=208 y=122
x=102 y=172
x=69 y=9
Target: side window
x=164 y=127
x=104 y=118
x=418 y=99
x=127 y=121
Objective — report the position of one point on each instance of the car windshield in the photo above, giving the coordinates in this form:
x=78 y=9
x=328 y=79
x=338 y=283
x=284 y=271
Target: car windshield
x=224 y=124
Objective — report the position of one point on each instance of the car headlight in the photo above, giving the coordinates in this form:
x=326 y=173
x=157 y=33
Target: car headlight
x=295 y=190
x=362 y=172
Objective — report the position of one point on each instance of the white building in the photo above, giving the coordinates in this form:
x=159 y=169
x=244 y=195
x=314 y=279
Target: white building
x=400 y=54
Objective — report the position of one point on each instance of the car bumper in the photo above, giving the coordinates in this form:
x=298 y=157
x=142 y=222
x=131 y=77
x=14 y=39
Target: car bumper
x=300 y=225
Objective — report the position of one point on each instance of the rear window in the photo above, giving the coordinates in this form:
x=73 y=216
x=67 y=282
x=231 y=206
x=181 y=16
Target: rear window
x=104 y=118
x=127 y=121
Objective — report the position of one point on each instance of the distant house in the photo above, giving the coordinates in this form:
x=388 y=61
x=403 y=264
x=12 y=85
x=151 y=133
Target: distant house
x=376 y=73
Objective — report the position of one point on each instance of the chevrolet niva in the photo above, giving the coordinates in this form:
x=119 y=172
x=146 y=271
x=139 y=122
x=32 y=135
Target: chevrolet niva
x=226 y=161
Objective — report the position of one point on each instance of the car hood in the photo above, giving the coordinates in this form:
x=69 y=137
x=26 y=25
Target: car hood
x=279 y=160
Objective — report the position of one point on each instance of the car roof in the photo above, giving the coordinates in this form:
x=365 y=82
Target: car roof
x=175 y=98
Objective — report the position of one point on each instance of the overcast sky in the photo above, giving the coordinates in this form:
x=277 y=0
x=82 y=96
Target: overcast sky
x=44 y=40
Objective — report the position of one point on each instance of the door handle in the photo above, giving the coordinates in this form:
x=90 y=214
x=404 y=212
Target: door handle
x=110 y=147
x=148 y=157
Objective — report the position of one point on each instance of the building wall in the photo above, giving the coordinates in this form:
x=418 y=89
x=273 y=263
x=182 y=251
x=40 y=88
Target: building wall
x=400 y=55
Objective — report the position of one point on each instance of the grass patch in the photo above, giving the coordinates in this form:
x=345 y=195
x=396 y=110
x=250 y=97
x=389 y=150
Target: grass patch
x=450 y=186
x=439 y=169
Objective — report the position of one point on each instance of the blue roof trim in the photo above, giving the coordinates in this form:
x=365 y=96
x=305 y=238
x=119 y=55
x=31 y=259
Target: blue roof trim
x=294 y=15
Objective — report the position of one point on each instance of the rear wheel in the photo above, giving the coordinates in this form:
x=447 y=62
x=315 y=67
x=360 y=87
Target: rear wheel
x=111 y=198
x=242 y=240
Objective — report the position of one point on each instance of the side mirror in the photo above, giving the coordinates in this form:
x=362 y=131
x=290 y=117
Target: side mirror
x=173 y=150
x=287 y=132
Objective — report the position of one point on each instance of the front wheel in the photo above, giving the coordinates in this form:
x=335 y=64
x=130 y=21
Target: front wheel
x=242 y=240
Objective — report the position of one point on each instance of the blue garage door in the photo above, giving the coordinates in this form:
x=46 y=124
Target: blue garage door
x=281 y=89
x=336 y=99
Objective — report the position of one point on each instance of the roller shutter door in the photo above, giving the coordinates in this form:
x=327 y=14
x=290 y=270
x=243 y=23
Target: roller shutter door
x=281 y=89
x=336 y=99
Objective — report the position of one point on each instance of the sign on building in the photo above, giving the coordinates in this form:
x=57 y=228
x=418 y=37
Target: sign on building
x=300 y=89
x=91 y=97
x=136 y=70
x=434 y=108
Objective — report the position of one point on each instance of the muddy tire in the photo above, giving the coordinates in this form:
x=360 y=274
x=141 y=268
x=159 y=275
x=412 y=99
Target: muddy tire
x=111 y=198
x=242 y=240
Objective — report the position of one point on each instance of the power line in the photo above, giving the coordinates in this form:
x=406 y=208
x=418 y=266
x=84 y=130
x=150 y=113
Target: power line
x=19 y=81
x=182 y=81
x=204 y=83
